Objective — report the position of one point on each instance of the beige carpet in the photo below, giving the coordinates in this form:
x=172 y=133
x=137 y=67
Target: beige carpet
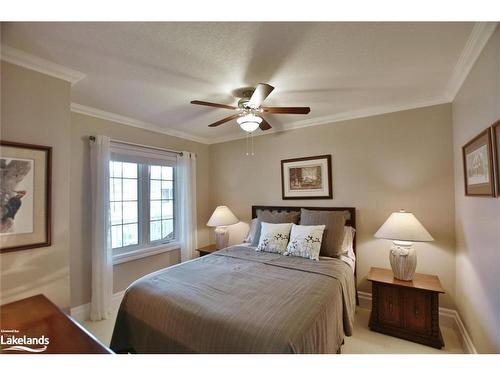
x=363 y=341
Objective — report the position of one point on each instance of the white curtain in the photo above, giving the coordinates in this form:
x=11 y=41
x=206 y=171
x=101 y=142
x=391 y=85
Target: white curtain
x=102 y=262
x=186 y=188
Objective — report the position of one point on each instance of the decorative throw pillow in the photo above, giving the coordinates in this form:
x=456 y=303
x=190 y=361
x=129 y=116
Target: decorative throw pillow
x=274 y=237
x=333 y=236
x=273 y=217
x=305 y=241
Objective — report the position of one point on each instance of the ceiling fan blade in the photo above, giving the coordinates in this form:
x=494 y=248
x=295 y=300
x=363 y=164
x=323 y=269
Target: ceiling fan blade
x=264 y=125
x=208 y=104
x=226 y=119
x=289 y=110
x=261 y=92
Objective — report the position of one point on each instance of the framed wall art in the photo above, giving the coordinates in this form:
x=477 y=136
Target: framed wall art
x=478 y=165
x=25 y=196
x=495 y=133
x=307 y=178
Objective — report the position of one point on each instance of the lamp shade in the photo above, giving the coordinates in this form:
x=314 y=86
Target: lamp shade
x=403 y=226
x=221 y=217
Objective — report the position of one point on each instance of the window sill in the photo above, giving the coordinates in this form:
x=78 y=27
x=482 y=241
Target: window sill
x=145 y=252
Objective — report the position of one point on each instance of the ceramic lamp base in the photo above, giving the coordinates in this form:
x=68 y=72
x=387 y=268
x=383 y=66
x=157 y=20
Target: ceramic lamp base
x=221 y=237
x=403 y=258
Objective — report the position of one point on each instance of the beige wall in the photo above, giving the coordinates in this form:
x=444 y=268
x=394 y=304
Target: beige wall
x=477 y=219
x=380 y=164
x=35 y=109
x=82 y=126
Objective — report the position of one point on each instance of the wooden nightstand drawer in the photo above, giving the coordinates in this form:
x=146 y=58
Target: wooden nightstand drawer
x=406 y=309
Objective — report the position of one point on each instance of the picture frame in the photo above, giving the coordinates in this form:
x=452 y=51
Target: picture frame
x=307 y=177
x=495 y=134
x=25 y=196
x=478 y=166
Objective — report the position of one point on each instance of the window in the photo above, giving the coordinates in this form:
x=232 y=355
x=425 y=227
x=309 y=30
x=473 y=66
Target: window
x=124 y=204
x=142 y=201
x=161 y=182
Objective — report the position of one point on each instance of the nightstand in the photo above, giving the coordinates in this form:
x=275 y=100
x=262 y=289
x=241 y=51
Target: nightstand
x=206 y=249
x=406 y=309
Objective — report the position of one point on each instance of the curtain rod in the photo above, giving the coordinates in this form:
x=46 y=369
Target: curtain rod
x=92 y=138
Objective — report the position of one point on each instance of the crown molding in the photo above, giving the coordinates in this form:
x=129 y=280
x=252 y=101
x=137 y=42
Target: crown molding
x=479 y=36
x=29 y=61
x=374 y=111
x=125 y=120
x=344 y=116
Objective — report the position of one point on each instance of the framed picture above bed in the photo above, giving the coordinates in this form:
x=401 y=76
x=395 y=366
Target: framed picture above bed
x=307 y=177
x=495 y=130
x=25 y=182
x=478 y=165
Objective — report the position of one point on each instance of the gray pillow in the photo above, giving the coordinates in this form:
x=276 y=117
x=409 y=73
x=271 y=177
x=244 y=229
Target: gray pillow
x=275 y=218
x=334 y=222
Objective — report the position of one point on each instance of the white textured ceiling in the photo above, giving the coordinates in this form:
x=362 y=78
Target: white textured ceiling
x=151 y=71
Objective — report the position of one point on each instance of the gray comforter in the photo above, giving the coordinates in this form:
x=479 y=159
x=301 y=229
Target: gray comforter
x=238 y=300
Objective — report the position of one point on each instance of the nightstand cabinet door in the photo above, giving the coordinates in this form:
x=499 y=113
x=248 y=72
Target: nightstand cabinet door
x=390 y=306
x=417 y=310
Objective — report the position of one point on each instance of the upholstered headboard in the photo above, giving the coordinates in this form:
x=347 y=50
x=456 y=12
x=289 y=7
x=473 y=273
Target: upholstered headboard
x=351 y=221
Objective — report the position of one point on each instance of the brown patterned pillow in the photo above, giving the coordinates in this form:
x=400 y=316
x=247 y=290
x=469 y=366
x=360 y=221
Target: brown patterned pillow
x=275 y=218
x=331 y=246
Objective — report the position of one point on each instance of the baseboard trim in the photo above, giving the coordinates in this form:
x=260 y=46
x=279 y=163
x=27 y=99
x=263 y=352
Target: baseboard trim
x=82 y=312
x=447 y=317
x=463 y=334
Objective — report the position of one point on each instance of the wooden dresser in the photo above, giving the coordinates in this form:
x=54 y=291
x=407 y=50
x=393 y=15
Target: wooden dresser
x=37 y=316
x=406 y=309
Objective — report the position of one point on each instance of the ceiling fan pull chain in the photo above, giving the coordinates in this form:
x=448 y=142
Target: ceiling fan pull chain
x=246 y=141
x=251 y=136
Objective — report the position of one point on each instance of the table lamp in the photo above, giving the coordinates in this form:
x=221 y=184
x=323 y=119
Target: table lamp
x=221 y=218
x=403 y=229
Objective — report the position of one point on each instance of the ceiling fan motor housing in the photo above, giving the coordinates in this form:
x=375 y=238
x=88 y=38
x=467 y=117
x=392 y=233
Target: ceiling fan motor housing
x=243 y=103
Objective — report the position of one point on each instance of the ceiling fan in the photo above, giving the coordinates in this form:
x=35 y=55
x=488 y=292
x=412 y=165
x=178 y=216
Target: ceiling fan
x=249 y=116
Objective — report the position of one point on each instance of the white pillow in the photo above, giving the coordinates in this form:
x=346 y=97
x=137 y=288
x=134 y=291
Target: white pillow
x=274 y=237
x=347 y=243
x=305 y=241
x=252 y=231
x=348 y=255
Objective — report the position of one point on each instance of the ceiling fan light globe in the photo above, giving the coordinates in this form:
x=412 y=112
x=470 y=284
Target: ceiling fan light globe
x=249 y=118
x=249 y=126
x=249 y=122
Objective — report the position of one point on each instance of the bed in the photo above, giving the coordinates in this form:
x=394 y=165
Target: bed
x=238 y=300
